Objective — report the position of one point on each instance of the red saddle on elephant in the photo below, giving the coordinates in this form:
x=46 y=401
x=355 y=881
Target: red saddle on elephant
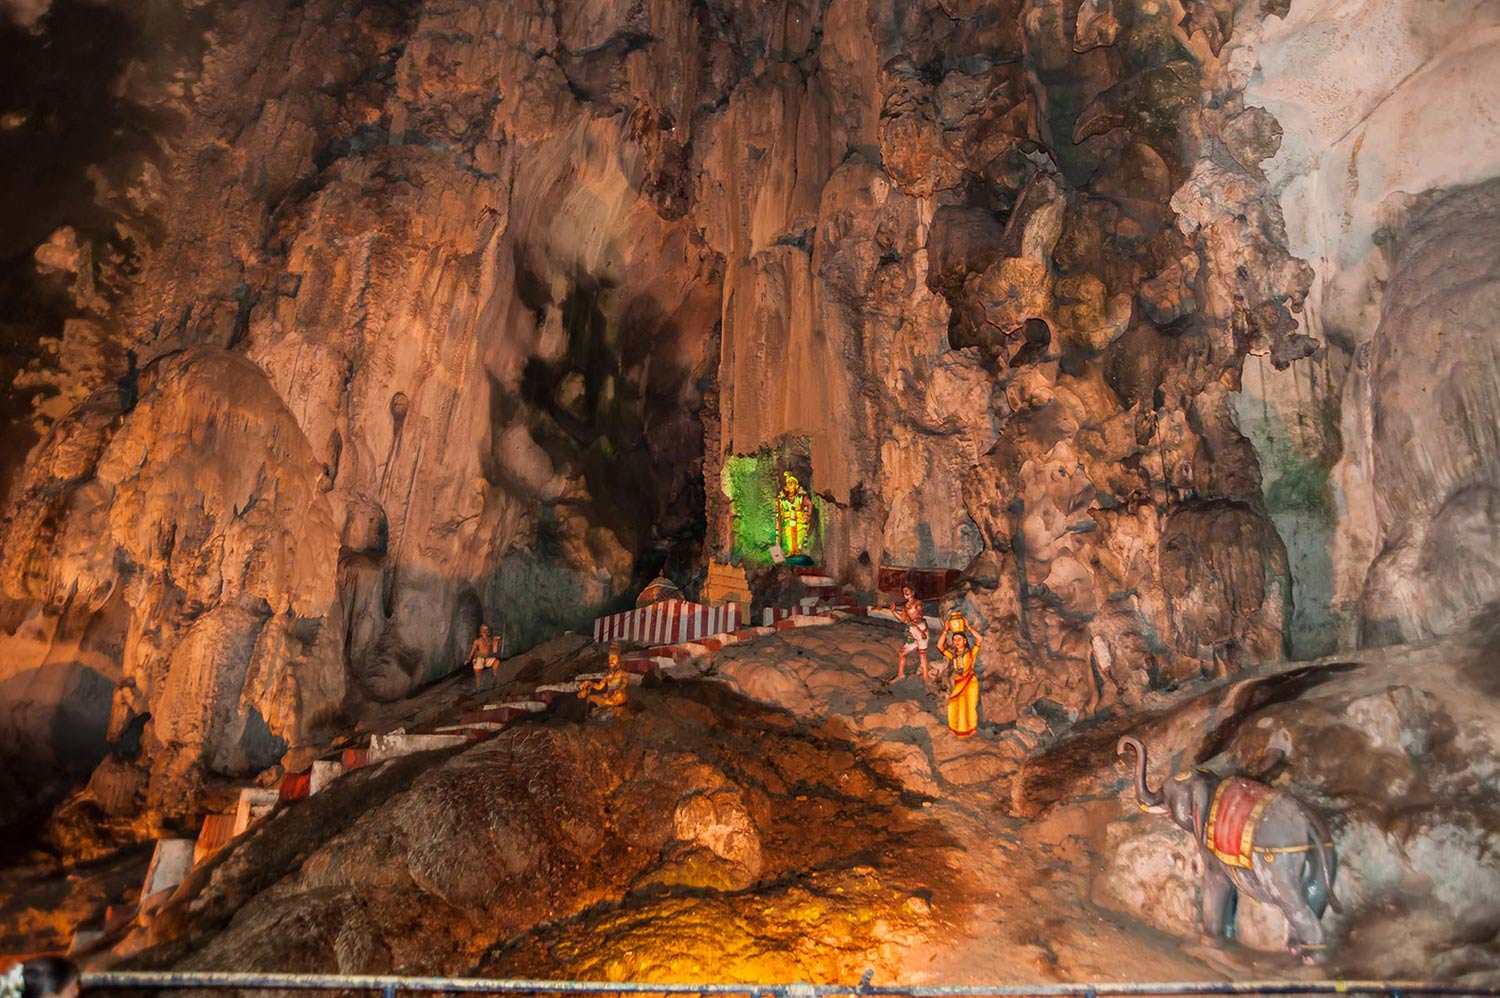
x=1236 y=809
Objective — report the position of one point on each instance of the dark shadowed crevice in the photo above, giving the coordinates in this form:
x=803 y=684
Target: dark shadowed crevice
x=623 y=416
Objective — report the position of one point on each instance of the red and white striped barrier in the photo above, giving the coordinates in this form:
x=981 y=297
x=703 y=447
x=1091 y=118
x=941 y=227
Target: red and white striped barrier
x=668 y=622
x=677 y=631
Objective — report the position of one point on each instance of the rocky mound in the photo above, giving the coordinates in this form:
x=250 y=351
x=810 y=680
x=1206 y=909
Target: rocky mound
x=1400 y=748
x=839 y=671
x=697 y=834
x=791 y=817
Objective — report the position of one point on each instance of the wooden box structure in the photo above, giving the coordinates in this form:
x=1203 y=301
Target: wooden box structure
x=926 y=583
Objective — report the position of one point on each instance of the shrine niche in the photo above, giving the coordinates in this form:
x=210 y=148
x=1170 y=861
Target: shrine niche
x=777 y=518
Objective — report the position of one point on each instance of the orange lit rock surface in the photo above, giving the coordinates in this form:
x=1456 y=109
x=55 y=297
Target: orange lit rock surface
x=506 y=285
x=681 y=808
x=333 y=329
x=703 y=835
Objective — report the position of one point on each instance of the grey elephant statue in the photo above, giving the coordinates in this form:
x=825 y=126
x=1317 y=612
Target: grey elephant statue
x=1254 y=839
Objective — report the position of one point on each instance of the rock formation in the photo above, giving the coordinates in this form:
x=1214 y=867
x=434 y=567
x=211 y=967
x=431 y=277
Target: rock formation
x=413 y=314
x=1395 y=749
x=837 y=825
x=495 y=860
x=1374 y=102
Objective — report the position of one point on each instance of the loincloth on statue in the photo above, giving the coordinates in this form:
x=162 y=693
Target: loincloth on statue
x=486 y=662
x=916 y=638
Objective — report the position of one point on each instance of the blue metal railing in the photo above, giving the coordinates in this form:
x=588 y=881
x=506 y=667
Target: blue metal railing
x=389 y=986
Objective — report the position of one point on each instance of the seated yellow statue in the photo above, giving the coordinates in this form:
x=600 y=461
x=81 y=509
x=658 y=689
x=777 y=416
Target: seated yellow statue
x=608 y=691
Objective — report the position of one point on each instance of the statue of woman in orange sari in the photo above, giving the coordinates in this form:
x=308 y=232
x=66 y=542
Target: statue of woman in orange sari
x=963 y=695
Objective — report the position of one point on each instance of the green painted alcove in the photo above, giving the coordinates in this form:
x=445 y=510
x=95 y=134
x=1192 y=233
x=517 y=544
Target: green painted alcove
x=751 y=482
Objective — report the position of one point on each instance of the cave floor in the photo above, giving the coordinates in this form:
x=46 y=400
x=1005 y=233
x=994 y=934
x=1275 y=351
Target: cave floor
x=879 y=841
x=1028 y=880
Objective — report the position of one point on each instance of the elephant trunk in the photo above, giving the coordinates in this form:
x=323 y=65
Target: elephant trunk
x=1144 y=794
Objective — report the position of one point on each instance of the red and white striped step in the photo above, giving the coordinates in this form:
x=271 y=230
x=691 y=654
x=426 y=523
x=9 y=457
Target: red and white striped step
x=705 y=646
x=773 y=616
x=503 y=713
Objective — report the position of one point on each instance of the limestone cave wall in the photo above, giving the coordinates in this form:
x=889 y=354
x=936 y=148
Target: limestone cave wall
x=1380 y=444
x=364 y=322
x=395 y=326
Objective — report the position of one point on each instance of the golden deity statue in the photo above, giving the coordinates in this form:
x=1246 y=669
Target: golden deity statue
x=608 y=691
x=793 y=516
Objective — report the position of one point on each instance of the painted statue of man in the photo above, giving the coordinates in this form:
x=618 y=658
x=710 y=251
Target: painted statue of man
x=909 y=612
x=793 y=515
x=484 y=654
